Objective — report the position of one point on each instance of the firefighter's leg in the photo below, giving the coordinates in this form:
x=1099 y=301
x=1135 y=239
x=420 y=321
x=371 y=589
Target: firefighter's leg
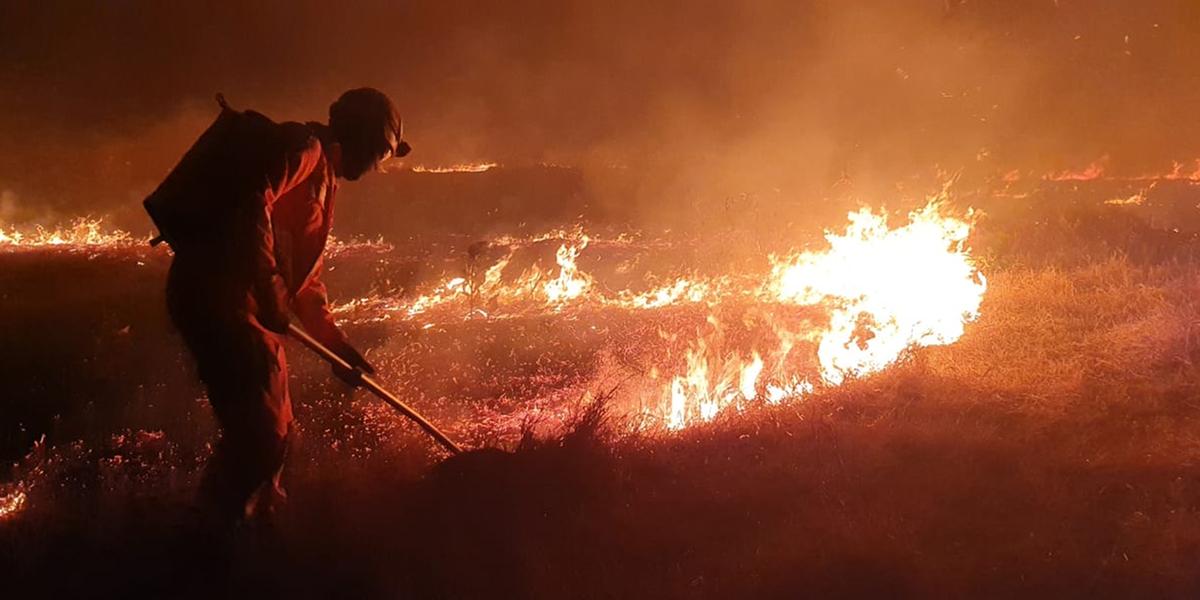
x=270 y=495
x=247 y=386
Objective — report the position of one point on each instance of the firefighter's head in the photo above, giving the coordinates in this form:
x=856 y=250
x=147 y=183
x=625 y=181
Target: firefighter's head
x=369 y=129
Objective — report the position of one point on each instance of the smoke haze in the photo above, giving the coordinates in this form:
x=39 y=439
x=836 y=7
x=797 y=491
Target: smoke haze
x=98 y=99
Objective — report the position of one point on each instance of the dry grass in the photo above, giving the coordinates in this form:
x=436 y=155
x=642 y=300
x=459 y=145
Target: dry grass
x=1052 y=334
x=1051 y=452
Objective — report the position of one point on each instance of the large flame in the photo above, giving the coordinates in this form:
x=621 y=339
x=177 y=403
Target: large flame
x=885 y=290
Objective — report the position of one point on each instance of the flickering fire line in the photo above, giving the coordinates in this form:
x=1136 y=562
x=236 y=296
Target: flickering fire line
x=874 y=292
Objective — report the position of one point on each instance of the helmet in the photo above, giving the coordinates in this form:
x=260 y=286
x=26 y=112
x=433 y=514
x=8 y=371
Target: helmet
x=369 y=128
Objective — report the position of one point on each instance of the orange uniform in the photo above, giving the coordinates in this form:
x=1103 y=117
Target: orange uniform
x=229 y=293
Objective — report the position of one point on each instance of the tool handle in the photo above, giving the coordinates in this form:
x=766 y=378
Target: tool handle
x=373 y=386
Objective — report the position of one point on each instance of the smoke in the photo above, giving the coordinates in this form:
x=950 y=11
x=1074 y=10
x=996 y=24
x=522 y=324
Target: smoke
x=8 y=206
x=699 y=98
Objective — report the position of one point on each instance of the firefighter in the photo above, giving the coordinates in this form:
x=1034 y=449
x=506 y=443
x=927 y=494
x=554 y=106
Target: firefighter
x=248 y=254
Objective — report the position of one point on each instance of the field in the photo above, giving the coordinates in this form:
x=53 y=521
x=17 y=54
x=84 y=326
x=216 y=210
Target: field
x=1051 y=450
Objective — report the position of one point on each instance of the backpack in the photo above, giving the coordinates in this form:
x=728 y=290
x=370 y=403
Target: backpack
x=214 y=179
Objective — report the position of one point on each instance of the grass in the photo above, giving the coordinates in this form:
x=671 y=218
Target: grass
x=1051 y=452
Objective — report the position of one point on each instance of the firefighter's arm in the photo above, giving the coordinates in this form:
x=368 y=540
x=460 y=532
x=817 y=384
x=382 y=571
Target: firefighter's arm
x=311 y=305
x=270 y=290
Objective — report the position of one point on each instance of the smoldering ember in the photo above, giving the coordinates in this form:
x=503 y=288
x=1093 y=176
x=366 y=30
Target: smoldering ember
x=600 y=300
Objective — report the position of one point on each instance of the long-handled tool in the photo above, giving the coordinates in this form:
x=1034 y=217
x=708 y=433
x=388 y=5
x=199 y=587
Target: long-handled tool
x=366 y=381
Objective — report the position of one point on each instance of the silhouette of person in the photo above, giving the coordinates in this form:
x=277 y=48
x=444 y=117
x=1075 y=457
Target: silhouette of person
x=248 y=211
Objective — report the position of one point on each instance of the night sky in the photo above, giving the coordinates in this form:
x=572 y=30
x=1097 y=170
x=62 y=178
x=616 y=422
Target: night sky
x=98 y=99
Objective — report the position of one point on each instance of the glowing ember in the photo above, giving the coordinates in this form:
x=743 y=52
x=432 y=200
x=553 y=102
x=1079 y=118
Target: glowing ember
x=335 y=246
x=1134 y=200
x=11 y=504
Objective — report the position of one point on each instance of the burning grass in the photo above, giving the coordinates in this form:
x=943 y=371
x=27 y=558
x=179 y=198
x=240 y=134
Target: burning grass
x=1049 y=451
x=84 y=232
x=816 y=315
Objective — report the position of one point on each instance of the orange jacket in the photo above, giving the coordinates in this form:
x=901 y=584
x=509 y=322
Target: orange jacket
x=294 y=216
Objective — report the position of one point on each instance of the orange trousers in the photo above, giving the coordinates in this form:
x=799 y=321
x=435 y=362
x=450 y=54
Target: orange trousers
x=244 y=369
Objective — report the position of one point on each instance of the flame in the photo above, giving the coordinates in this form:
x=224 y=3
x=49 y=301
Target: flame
x=1098 y=169
x=452 y=289
x=549 y=289
x=570 y=283
x=748 y=380
x=885 y=291
x=84 y=232
x=1178 y=173
x=888 y=289
x=1136 y=199
x=92 y=234
x=335 y=246
x=457 y=168
x=713 y=380
x=681 y=290
x=1095 y=170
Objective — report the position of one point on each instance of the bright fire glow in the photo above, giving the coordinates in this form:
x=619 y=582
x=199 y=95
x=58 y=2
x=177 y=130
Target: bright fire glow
x=885 y=290
x=458 y=168
x=570 y=283
x=80 y=233
x=888 y=289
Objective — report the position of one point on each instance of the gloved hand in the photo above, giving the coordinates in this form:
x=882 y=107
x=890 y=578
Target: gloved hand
x=356 y=360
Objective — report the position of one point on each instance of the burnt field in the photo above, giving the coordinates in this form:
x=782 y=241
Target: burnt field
x=1051 y=449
